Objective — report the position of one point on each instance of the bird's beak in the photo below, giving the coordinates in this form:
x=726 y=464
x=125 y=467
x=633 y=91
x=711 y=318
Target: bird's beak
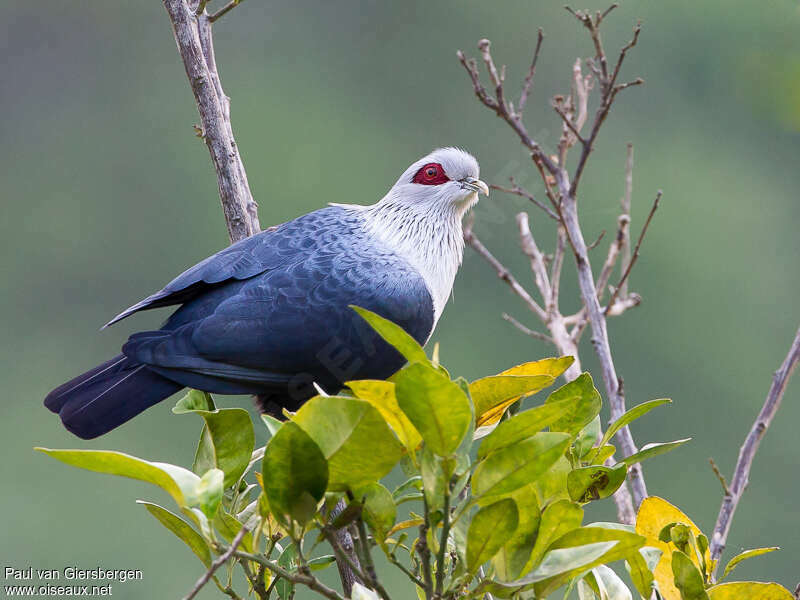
x=475 y=185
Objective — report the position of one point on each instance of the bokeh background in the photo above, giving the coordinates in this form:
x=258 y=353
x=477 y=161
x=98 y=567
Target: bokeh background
x=106 y=195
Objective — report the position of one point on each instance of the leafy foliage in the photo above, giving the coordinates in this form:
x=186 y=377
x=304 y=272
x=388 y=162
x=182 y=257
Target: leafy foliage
x=491 y=502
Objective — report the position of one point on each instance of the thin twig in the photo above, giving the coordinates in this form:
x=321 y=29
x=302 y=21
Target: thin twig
x=635 y=256
x=221 y=560
x=472 y=240
x=527 y=331
x=726 y=490
x=531 y=250
x=309 y=581
x=528 y=83
x=626 y=210
x=224 y=10
x=523 y=193
x=741 y=474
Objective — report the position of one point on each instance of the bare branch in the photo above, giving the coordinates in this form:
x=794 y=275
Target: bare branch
x=595 y=243
x=626 y=210
x=472 y=240
x=567 y=120
x=726 y=490
x=528 y=83
x=221 y=560
x=558 y=263
x=531 y=250
x=635 y=256
x=193 y=37
x=309 y=581
x=741 y=474
x=523 y=193
x=527 y=331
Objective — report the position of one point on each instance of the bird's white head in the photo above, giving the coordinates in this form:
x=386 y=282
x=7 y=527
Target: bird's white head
x=446 y=180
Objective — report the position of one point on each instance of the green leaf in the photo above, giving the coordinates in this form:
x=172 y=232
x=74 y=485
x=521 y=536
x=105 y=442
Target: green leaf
x=192 y=401
x=381 y=395
x=586 y=404
x=610 y=585
x=490 y=528
x=593 y=483
x=436 y=406
x=229 y=527
x=627 y=544
x=514 y=554
x=509 y=468
x=209 y=491
x=492 y=395
x=640 y=566
x=688 y=579
x=318 y=563
x=295 y=473
x=354 y=438
x=744 y=556
x=287 y=560
x=178 y=482
x=556 y=520
x=587 y=437
x=182 y=530
x=226 y=442
x=630 y=416
x=522 y=425
x=747 y=590
x=272 y=424
x=651 y=450
x=566 y=560
x=394 y=335
x=379 y=511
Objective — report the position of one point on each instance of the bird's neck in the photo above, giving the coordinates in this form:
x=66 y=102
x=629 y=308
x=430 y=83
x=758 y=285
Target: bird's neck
x=429 y=238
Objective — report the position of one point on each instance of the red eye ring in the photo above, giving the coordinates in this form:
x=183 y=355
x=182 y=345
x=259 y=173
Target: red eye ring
x=431 y=174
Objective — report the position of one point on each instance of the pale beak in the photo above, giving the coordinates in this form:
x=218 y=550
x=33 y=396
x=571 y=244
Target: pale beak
x=475 y=185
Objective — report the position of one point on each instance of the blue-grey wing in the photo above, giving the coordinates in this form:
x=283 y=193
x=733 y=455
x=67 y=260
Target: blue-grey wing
x=249 y=257
x=293 y=321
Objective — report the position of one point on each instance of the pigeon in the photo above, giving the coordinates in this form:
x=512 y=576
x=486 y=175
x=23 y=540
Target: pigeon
x=271 y=315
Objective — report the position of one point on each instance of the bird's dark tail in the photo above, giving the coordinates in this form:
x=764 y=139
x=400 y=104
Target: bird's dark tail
x=105 y=397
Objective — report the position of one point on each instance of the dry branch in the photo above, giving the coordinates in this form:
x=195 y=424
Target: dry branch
x=741 y=474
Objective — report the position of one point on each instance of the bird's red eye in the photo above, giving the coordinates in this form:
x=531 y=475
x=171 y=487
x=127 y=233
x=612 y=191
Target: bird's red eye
x=431 y=174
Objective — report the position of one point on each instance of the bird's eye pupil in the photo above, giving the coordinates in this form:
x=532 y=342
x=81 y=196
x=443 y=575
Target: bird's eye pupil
x=430 y=172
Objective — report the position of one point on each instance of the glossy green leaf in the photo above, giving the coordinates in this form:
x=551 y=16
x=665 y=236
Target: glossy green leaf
x=354 y=438
x=651 y=450
x=514 y=554
x=593 y=483
x=394 y=335
x=271 y=423
x=228 y=527
x=509 y=468
x=226 y=442
x=734 y=562
x=586 y=404
x=630 y=416
x=178 y=482
x=295 y=473
x=522 y=425
x=490 y=528
x=379 y=510
x=688 y=579
x=381 y=394
x=552 y=486
x=436 y=406
x=287 y=560
x=182 y=530
x=556 y=520
x=492 y=395
x=749 y=590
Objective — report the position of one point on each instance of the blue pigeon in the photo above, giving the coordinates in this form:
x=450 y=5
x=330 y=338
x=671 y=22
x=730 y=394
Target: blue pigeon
x=270 y=315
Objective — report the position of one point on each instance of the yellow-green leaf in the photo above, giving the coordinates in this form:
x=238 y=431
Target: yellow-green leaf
x=509 y=468
x=182 y=530
x=687 y=577
x=514 y=554
x=436 y=406
x=744 y=556
x=490 y=528
x=585 y=406
x=557 y=519
x=492 y=395
x=381 y=395
x=749 y=590
x=630 y=416
x=354 y=438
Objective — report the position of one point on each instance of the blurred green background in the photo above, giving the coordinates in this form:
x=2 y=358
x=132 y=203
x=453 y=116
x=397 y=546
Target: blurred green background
x=106 y=195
